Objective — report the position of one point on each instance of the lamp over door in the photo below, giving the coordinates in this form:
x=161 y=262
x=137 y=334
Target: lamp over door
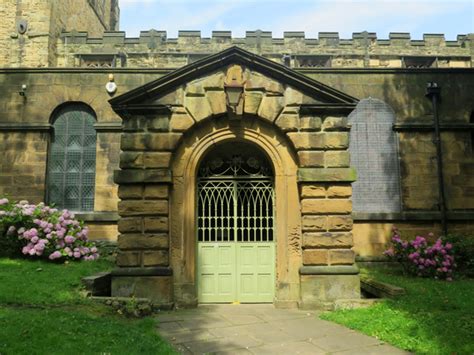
x=233 y=93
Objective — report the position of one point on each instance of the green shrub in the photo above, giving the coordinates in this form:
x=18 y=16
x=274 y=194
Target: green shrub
x=42 y=231
x=10 y=245
x=463 y=247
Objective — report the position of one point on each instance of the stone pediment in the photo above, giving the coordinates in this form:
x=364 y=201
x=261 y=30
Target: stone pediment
x=270 y=88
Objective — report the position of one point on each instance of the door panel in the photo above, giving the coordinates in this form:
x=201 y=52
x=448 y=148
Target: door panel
x=216 y=272
x=255 y=272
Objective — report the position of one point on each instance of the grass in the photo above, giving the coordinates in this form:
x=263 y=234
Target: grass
x=42 y=311
x=434 y=317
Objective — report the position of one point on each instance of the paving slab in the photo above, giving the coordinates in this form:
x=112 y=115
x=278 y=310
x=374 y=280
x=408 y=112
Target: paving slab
x=186 y=336
x=262 y=329
x=288 y=348
x=350 y=340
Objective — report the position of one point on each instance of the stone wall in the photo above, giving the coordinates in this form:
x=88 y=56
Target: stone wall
x=30 y=49
x=22 y=167
x=364 y=50
x=7 y=25
x=403 y=90
x=46 y=20
x=372 y=238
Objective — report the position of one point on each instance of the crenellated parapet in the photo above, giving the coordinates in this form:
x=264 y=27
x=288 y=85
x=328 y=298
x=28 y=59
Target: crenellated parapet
x=155 y=49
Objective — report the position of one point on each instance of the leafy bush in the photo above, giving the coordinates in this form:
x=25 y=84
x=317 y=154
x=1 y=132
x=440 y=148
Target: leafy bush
x=421 y=258
x=10 y=245
x=42 y=231
x=463 y=248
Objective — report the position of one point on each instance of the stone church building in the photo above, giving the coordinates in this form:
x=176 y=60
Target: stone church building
x=255 y=169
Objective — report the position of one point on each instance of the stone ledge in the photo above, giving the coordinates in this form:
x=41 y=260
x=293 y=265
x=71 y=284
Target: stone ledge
x=25 y=126
x=380 y=289
x=98 y=216
x=157 y=288
x=143 y=271
x=98 y=284
x=133 y=176
x=327 y=175
x=329 y=270
x=412 y=216
x=108 y=126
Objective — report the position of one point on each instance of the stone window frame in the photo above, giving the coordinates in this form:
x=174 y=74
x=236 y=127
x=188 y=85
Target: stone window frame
x=58 y=112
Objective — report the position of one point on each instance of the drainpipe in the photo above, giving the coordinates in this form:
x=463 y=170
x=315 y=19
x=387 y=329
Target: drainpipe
x=433 y=92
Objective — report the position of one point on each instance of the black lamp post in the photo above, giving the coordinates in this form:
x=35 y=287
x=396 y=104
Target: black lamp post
x=433 y=92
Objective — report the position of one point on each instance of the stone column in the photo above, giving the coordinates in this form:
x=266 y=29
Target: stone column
x=328 y=272
x=143 y=259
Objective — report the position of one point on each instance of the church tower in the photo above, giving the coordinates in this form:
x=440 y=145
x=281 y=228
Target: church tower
x=30 y=29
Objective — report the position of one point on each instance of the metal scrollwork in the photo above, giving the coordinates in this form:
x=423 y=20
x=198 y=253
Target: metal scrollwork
x=235 y=165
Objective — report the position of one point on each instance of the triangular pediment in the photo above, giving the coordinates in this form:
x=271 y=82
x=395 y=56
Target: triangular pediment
x=209 y=74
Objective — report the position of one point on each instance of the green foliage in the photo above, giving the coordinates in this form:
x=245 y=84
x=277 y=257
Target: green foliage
x=56 y=331
x=43 y=231
x=42 y=311
x=434 y=317
x=10 y=246
x=45 y=283
x=463 y=247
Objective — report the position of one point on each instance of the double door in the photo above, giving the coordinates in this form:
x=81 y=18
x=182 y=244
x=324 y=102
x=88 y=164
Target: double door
x=235 y=240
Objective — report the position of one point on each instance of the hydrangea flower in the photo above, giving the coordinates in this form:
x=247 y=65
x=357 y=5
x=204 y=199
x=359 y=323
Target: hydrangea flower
x=46 y=231
x=420 y=258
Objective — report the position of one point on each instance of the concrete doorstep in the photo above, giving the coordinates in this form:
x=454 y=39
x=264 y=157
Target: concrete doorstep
x=262 y=329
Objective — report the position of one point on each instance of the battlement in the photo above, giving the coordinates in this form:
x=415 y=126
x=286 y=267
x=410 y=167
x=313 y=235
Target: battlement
x=265 y=37
x=364 y=49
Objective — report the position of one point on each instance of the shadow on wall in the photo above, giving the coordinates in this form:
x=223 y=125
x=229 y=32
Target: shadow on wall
x=406 y=94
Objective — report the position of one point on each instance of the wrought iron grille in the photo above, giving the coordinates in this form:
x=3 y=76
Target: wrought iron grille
x=235 y=199
x=373 y=148
x=71 y=170
x=235 y=210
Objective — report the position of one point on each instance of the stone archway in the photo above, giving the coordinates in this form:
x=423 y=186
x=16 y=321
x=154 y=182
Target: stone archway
x=299 y=123
x=287 y=210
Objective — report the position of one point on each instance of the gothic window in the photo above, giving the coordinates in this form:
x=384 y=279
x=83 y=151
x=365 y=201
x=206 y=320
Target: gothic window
x=71 y=163
x=373 y=149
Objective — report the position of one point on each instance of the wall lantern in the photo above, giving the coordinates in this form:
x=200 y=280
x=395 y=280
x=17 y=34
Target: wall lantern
x=233 y=92
x=22 y=91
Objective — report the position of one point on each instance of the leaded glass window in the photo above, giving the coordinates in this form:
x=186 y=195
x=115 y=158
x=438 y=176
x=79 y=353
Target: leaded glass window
x=373 y=149
x=71 y=165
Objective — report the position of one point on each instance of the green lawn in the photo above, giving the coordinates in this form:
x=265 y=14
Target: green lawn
x=434 y=317
x=42 y=311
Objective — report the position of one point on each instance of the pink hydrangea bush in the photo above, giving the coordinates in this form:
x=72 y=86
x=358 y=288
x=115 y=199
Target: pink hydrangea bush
x=46 y=232
x=422 y=258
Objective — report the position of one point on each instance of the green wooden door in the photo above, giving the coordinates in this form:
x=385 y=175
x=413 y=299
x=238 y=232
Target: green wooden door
x=255 y=272
x=235 y=249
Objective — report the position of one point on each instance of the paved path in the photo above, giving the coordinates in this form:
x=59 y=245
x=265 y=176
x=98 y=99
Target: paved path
x=262 y=329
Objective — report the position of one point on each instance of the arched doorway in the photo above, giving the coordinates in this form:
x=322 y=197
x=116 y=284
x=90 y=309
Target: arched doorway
x=235 y=225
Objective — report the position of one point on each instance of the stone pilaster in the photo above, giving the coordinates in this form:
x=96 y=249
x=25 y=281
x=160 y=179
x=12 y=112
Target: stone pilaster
x=143 y=259
x=328 y=271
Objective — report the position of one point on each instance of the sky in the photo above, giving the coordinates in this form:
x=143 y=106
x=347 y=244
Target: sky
x=450 y=17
